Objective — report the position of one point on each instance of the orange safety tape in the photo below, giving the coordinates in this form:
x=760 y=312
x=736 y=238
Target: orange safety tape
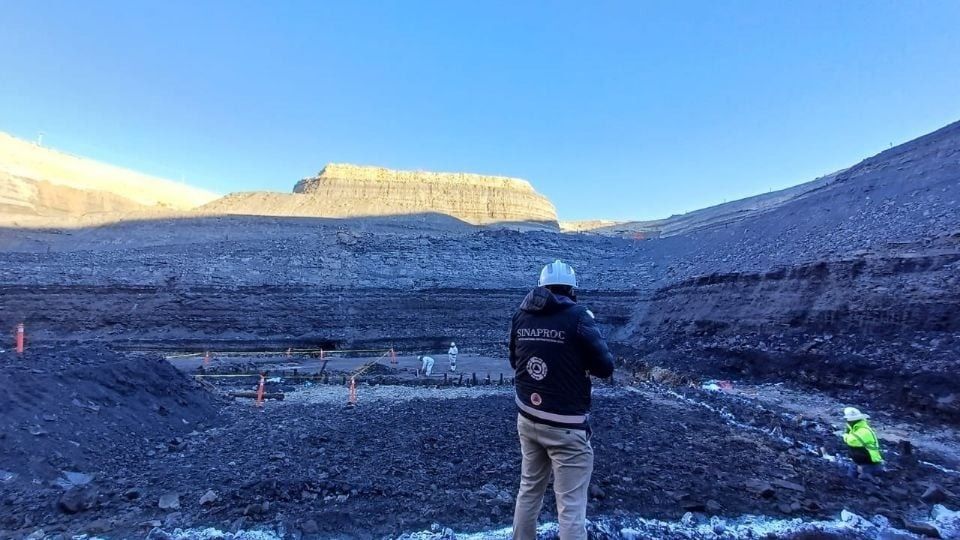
x=224 y=376
x=278 y=353
x=231 y=375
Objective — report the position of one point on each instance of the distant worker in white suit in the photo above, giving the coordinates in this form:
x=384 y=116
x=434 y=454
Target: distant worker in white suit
x=426 y=365
x=452 y=355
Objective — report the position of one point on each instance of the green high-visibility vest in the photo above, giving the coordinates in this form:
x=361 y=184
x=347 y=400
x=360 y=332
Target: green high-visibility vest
x=861 y=435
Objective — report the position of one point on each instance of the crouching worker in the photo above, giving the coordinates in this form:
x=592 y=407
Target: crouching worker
x=555 y=346
x=862 y=444
x=426 y=365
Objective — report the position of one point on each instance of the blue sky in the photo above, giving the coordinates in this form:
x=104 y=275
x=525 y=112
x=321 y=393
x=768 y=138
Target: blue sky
x=625 y=110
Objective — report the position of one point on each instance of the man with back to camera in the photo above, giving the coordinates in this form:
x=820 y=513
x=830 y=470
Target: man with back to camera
x=555 y=346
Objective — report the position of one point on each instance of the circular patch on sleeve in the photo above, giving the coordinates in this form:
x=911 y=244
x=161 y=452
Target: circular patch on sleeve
x=536 y=399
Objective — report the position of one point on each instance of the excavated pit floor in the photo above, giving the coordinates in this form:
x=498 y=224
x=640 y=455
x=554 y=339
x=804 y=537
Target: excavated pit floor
x=411 y=456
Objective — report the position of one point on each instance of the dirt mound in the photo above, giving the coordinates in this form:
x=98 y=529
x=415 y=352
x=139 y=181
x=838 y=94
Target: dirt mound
x=376 y=368
x=87 y=409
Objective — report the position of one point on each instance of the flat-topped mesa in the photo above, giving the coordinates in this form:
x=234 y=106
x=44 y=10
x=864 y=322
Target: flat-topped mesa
x=350 y=190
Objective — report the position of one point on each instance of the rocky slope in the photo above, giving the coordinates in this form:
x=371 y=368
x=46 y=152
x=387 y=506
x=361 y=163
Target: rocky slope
x=37 y=181
x=933 y=154
x=852 y=286
x=706 y=218
x=353 y=191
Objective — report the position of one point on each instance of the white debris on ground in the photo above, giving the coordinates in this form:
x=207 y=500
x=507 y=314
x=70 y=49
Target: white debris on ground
x=211 y=533
x=730 y=419
x=335 y=394
x=727 y=386
x=377 y=393
x=848 y=525
x=940 y=468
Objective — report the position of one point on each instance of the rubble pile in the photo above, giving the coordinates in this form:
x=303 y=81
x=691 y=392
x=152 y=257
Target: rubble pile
x=71 y=414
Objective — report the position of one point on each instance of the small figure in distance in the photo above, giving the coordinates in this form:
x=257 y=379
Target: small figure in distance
x=452 y=355
x=555 y=346
x=862 y=445
x=426 y=365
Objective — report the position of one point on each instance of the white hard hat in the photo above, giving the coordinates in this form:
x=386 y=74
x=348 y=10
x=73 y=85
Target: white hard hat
x=452 y=344
x=558 y=273
x=852 y=414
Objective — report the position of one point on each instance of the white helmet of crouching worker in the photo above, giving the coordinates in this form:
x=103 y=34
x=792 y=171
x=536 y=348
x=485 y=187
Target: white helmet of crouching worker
x=558 y=273
x=852 y=414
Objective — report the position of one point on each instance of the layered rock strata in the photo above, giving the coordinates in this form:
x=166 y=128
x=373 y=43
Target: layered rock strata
x=342 y=191
x=884 y=325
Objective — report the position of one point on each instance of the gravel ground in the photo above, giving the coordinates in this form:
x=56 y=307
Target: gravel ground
x=407 y=457
x=338 y=395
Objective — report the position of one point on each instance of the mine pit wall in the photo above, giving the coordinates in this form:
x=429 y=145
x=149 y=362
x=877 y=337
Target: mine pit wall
x=277 y=317
x=884 y=328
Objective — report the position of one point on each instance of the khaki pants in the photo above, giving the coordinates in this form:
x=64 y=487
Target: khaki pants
x=569 y=454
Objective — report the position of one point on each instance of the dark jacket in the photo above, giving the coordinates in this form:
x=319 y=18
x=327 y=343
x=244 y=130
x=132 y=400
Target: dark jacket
x=555 y=346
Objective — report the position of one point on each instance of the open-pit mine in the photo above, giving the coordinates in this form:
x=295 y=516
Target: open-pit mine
x=194 y=367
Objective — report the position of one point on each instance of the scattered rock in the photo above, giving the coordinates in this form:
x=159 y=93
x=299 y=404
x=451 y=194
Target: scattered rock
x=596 y=492
x=70 y=479
x=169 y=501
x=209 y=497
x=99 y=526
x=761 y=488
x=788 y=485
x=257 y=509
x=923 y=529
x=78 y=499
x=310 y=527
x=935 y=494
x=176 y=444
x=158 y=534
x=173 y=520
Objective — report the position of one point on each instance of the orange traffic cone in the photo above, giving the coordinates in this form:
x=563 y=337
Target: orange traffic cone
x=352 y=399
x=260 y=391
x=393 y=356
x=20 y=333
x=289 y=350
x=206 y=358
